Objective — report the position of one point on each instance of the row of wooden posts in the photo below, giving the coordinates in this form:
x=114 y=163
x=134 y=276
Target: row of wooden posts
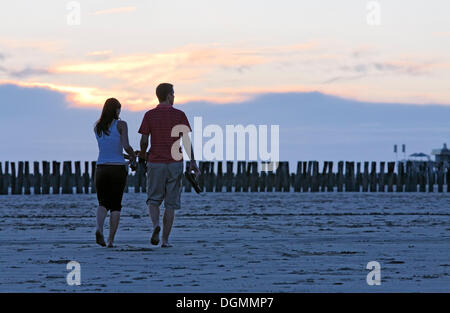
x=349 y=177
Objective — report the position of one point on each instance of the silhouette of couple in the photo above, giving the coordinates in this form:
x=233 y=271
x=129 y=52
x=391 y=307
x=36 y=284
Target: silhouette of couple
x=165 y=126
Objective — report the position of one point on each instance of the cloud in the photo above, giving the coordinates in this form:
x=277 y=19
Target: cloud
x=114 y=11
x=379 y=67
x=99 y=53
x=340 y=78
x=223 y=73
x=28 y=72
x=2 y=56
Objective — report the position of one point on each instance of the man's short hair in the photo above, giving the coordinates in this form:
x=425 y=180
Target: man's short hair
x=163 y=90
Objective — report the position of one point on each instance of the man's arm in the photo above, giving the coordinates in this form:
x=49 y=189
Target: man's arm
x=190 y=153
x=144 y=146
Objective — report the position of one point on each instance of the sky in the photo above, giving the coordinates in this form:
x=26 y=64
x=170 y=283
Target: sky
x=63 y=59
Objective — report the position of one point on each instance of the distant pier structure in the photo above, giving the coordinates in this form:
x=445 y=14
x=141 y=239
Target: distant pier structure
x=442 y=155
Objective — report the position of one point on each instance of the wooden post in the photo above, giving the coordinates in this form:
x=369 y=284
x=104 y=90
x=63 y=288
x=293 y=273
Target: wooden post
x=254 y=177
x=140 y=182
x=308 y=176
x=212 y=176
x=315 y=177
x=93 y=168
x=262 y=181
x=365 y=178
x=352 y=179
x=13 y=179
x=358 y=180
x=229 y=177
x=2 y=181
x=382 y=180
x=209 y=175
x=305 y=177
x=37 y=179
x=245 y=176
x=285 y=177
x=86 y=178
x=201 y=177
x=45 y=177
x=440 y=177
x=270 y=178
x=219 y=178
x=330 y=183
x=19 y=190
x=56 y=174
x=298 y=178
x=340 y=176
x=78 y=184
x=348 y=177
x=278 y=183
x=347 y=186
x=352 y=175
x=143 y=179
x=324 y=177
x=237 y=178
x=186 y=185
x=408 y=177
x=422 y=177
x=390 y=176
x=126 y=189
x=6 y=181
x=208 y=186
x=400 y=177
x=447 y=179
x=431 y=177
x=66 y=178
x=373 y=177
x=414 y=177
x=137 y=178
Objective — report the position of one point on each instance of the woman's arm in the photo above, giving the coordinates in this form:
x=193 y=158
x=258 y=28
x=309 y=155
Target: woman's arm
x=123 y=130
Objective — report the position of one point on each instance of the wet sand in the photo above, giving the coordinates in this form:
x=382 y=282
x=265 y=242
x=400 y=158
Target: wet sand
x=237 y=242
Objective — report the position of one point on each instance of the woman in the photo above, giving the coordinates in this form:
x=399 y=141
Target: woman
x=111 y=172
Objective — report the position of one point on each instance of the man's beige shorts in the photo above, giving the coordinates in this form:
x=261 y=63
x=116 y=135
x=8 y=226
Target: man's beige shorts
x=164 y=183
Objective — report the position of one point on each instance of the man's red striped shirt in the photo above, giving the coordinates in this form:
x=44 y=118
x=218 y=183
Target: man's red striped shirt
x=158 y=123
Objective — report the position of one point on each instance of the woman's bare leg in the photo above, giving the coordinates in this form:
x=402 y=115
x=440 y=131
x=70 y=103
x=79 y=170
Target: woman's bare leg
x=113 y=225
x=101 y=215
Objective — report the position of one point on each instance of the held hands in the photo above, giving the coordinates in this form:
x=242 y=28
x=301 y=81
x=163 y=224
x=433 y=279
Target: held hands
x=133 y=165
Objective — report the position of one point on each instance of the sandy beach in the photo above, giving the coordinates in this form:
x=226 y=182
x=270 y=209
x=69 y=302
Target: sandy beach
x=235 y=242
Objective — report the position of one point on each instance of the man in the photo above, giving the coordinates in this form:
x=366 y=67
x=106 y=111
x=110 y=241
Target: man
x=165 y=125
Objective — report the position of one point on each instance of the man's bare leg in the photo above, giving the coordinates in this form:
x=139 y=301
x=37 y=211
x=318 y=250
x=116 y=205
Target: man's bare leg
x=101 y=216
x=113 y=225
x=168 y=218
x=154 y=217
